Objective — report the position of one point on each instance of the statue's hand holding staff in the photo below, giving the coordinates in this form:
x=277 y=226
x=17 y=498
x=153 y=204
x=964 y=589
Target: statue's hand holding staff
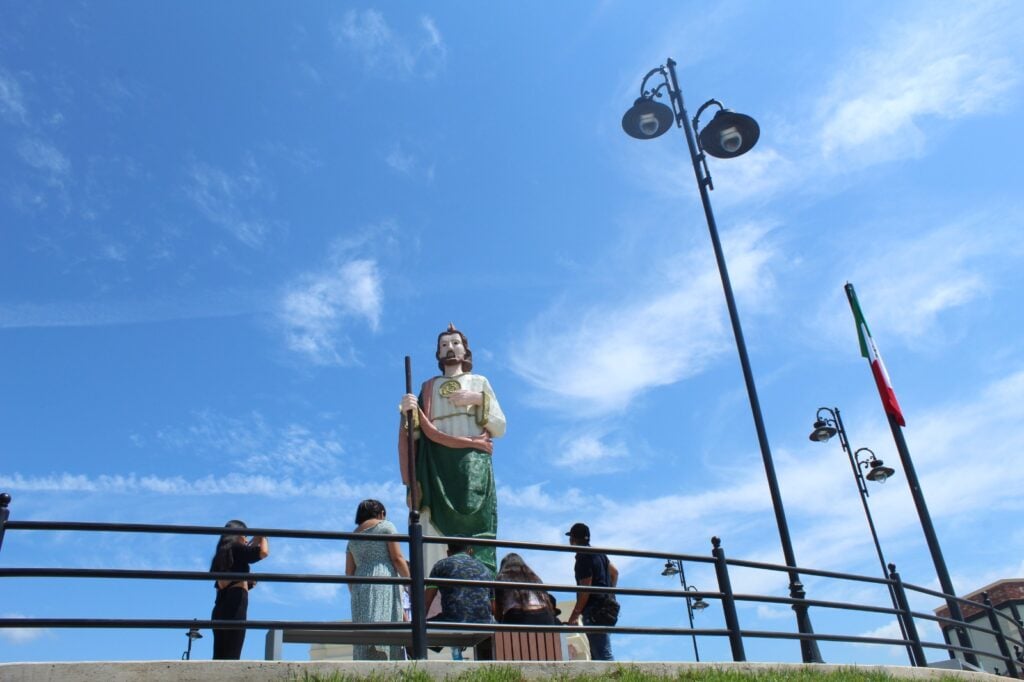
x=409 y=403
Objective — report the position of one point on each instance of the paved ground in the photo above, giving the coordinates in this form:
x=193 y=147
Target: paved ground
x=265 y=671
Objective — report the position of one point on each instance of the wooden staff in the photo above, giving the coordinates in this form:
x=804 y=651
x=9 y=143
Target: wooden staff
x=417 y=597
x=410 y=444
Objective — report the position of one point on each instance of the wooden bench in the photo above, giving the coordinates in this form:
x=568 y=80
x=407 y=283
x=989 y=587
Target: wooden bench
x=527 y=646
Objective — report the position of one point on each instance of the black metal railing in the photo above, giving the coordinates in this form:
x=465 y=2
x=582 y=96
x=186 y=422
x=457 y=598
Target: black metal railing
x=997 y=621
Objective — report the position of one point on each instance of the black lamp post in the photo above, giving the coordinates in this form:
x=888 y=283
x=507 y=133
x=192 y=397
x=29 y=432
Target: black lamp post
x=828 y=423
x=193 y=634
x=675 y=567
x=727 y=135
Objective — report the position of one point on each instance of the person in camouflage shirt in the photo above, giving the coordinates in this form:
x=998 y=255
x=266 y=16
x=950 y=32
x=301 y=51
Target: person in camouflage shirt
x=462 y=603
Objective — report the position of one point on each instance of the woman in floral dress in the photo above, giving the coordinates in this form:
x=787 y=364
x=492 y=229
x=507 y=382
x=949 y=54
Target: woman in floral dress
x=375 y=603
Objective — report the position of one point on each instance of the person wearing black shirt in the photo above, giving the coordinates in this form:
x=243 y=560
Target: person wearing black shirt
x=234 y=555
x=598 y=571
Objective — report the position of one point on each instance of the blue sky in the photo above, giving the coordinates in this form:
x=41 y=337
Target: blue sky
x=223 y=226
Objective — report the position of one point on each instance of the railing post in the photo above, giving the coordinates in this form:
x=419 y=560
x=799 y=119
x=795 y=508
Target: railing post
x=5 y=513
x=908 y=618
x=732 y=621
x=1004 y=648
x=417 y=601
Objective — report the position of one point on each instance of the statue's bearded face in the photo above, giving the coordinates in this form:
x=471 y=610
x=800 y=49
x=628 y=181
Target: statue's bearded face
x=450 y=349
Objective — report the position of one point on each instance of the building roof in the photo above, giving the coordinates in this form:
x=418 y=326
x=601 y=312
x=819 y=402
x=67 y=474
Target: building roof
x=1001 y=592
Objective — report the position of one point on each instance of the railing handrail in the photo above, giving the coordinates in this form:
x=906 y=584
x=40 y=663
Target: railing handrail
x=177 y=529
x=817 y=572
x=725 y=595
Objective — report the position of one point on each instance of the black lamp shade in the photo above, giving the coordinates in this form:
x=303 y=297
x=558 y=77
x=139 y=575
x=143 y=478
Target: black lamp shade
x=729 y=134
x=822 y=431
x=879 y=473
x=647 y=119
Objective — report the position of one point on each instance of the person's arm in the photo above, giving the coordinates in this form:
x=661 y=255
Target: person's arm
x=264 y=546
x=399 y=562
x=581 y=600
x=497 y=603
x=613 y=574
x=428 y=598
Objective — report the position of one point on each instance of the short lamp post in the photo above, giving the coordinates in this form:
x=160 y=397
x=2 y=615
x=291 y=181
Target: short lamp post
x=827 y=423
x=728 y=135
x=193 y=634
x=675 y=567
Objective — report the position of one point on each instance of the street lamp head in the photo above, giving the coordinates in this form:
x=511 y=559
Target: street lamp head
x=647 y=119
x=878 y=473
x=729 y=134
x=822 y=431
x=194 y=634
x=698 y=604
x=670 y=569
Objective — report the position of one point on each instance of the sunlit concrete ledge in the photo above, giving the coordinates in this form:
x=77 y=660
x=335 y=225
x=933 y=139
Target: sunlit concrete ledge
x=258 y=671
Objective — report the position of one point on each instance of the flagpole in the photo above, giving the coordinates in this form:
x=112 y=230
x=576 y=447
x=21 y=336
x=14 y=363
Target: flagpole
x=896 y=421
x=933 y=541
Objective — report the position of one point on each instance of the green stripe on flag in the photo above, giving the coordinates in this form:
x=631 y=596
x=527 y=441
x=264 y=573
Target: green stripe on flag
x=858 y=317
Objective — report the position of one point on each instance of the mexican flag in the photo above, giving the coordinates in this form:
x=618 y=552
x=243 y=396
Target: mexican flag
x=869 y=350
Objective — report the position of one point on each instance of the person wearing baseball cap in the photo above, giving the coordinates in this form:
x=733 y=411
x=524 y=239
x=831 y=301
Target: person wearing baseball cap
x=580 y=531
x=596 y=570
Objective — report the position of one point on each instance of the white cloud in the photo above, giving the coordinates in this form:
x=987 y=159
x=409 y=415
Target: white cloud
x=314 y=310
x=45 y=157
x=928 y=63
x=232 y=484
x=400 y=161
x=890 y=630
x=599 y=358
x=368 y=34
x=12 y=100
x=955 y=264
x=534 y=498
x=21 y=635
x=255 y=446
x=946 y=63
x=122 y=312
x=225 y=200
x=591 y=453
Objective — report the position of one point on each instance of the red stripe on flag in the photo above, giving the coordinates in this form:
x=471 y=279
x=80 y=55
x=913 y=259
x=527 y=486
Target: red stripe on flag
x=885 y=391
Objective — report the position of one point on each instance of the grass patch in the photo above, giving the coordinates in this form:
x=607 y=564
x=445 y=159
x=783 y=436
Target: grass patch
x=624 y=673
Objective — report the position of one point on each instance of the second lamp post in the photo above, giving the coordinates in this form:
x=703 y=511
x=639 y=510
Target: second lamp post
x=828 y=423
x=675 y=567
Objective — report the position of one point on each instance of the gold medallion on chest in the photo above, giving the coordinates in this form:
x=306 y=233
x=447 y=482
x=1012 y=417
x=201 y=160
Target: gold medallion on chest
x=449 y=387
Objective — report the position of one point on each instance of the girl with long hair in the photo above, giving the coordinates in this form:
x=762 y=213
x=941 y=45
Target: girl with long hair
x=233 y=555
x=520 y=605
